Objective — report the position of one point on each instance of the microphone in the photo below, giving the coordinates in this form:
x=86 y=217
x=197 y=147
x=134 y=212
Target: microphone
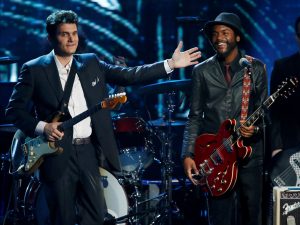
x=245 y=63
x=189 y=19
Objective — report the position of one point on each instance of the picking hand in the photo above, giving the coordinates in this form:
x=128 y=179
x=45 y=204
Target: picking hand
x=189 y=166
x=184 y=59
x=52 y=133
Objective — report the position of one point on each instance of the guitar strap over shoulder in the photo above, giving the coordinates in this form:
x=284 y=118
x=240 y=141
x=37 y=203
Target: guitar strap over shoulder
x=246 y=90
x=68 y=88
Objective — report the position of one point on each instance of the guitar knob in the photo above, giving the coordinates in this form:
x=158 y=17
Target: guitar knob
x=223 y=181
x=220 y=189
x=213 y=187
x=216 y=179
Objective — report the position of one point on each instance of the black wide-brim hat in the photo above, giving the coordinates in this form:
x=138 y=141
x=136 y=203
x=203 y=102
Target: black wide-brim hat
x=228 y=19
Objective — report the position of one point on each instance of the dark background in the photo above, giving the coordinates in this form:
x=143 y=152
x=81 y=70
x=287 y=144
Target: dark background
x=143 y=31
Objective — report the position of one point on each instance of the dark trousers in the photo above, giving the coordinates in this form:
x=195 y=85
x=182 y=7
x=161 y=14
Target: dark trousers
x=242 y=205
x=77 y=196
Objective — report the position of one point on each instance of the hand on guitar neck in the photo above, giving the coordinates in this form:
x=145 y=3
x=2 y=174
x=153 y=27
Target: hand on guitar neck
x=39 y=147
x=247 y=131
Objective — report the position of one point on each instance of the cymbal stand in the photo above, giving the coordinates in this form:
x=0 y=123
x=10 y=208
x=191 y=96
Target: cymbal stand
x=167 y=166
x=136 y=195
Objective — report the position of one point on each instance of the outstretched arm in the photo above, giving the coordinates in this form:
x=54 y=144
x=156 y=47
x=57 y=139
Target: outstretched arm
x=183 y=59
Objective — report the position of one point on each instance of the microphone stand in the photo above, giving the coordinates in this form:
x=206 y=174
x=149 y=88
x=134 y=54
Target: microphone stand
x=266 y=184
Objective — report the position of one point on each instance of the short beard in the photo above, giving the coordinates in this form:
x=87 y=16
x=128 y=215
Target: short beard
x=230 y=47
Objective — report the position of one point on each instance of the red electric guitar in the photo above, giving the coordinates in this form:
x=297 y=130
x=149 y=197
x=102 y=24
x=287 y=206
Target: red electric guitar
x=216 y=155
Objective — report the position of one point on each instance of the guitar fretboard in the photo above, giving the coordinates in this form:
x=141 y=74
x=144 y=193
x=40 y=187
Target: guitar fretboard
x=76 y=119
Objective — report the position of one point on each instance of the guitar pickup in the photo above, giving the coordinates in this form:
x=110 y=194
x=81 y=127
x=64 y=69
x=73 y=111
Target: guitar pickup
x=216 y=158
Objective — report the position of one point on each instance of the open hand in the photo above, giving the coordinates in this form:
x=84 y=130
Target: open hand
x=184 y=59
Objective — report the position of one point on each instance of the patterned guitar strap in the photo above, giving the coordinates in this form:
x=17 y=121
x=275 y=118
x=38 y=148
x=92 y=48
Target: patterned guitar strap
x=246 y=89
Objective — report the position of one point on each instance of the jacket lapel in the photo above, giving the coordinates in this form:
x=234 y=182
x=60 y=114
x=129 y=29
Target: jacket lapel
x=217 y=78
x=52 y=75
x=84 y=81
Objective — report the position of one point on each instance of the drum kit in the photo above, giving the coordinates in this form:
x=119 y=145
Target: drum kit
x=128 y=199
x=140 y=144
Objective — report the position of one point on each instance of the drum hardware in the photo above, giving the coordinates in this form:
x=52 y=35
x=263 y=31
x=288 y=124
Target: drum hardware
x=163 y=123
x=5 y=60
x=167 y=87
x=10 y=128
x=134 y=143
x=15 y=209
x=129 y=218
x=167 y=165
x=135 y=158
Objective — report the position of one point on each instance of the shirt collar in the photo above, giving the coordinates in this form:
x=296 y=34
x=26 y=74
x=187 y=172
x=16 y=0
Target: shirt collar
x=61 y=66
x=234 y=65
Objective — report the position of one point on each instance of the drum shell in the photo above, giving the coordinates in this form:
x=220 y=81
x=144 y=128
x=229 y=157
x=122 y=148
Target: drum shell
x=135 y=142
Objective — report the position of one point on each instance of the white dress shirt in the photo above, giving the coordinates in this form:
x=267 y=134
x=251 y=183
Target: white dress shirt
x=77 y=103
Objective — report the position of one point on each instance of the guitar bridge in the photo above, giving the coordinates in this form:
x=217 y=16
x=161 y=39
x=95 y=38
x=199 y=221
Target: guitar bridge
x=205 y=168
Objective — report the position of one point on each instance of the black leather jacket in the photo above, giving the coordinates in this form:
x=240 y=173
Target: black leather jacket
x=212 y=101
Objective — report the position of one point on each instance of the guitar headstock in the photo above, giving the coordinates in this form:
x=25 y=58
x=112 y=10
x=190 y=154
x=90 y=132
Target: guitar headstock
x=287 y=87
x=113 y=100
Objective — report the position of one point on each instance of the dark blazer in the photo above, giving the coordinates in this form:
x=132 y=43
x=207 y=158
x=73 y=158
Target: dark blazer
x=285 y=113
x=39 y=84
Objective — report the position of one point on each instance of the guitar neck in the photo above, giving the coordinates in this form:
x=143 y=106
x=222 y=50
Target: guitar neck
x=71 y=122
x=260 y=110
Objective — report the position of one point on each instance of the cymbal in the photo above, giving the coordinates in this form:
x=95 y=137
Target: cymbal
x=8 y=128
x=164 y=123
x=166 y=86
x=8 y=60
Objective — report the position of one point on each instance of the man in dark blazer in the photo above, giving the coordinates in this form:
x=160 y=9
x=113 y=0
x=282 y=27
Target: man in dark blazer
x=285 y=113
x=71 y=179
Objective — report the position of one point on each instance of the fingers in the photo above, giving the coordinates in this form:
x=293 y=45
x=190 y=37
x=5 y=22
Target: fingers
x=246 y=131
x=191 y=50
x=194 y=62
x=189 y=168
x=195 y=55
x=52 y=133
x=179 y=47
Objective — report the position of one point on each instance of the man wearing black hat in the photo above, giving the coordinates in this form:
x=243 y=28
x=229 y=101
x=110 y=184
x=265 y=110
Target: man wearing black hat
x=217 y=86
